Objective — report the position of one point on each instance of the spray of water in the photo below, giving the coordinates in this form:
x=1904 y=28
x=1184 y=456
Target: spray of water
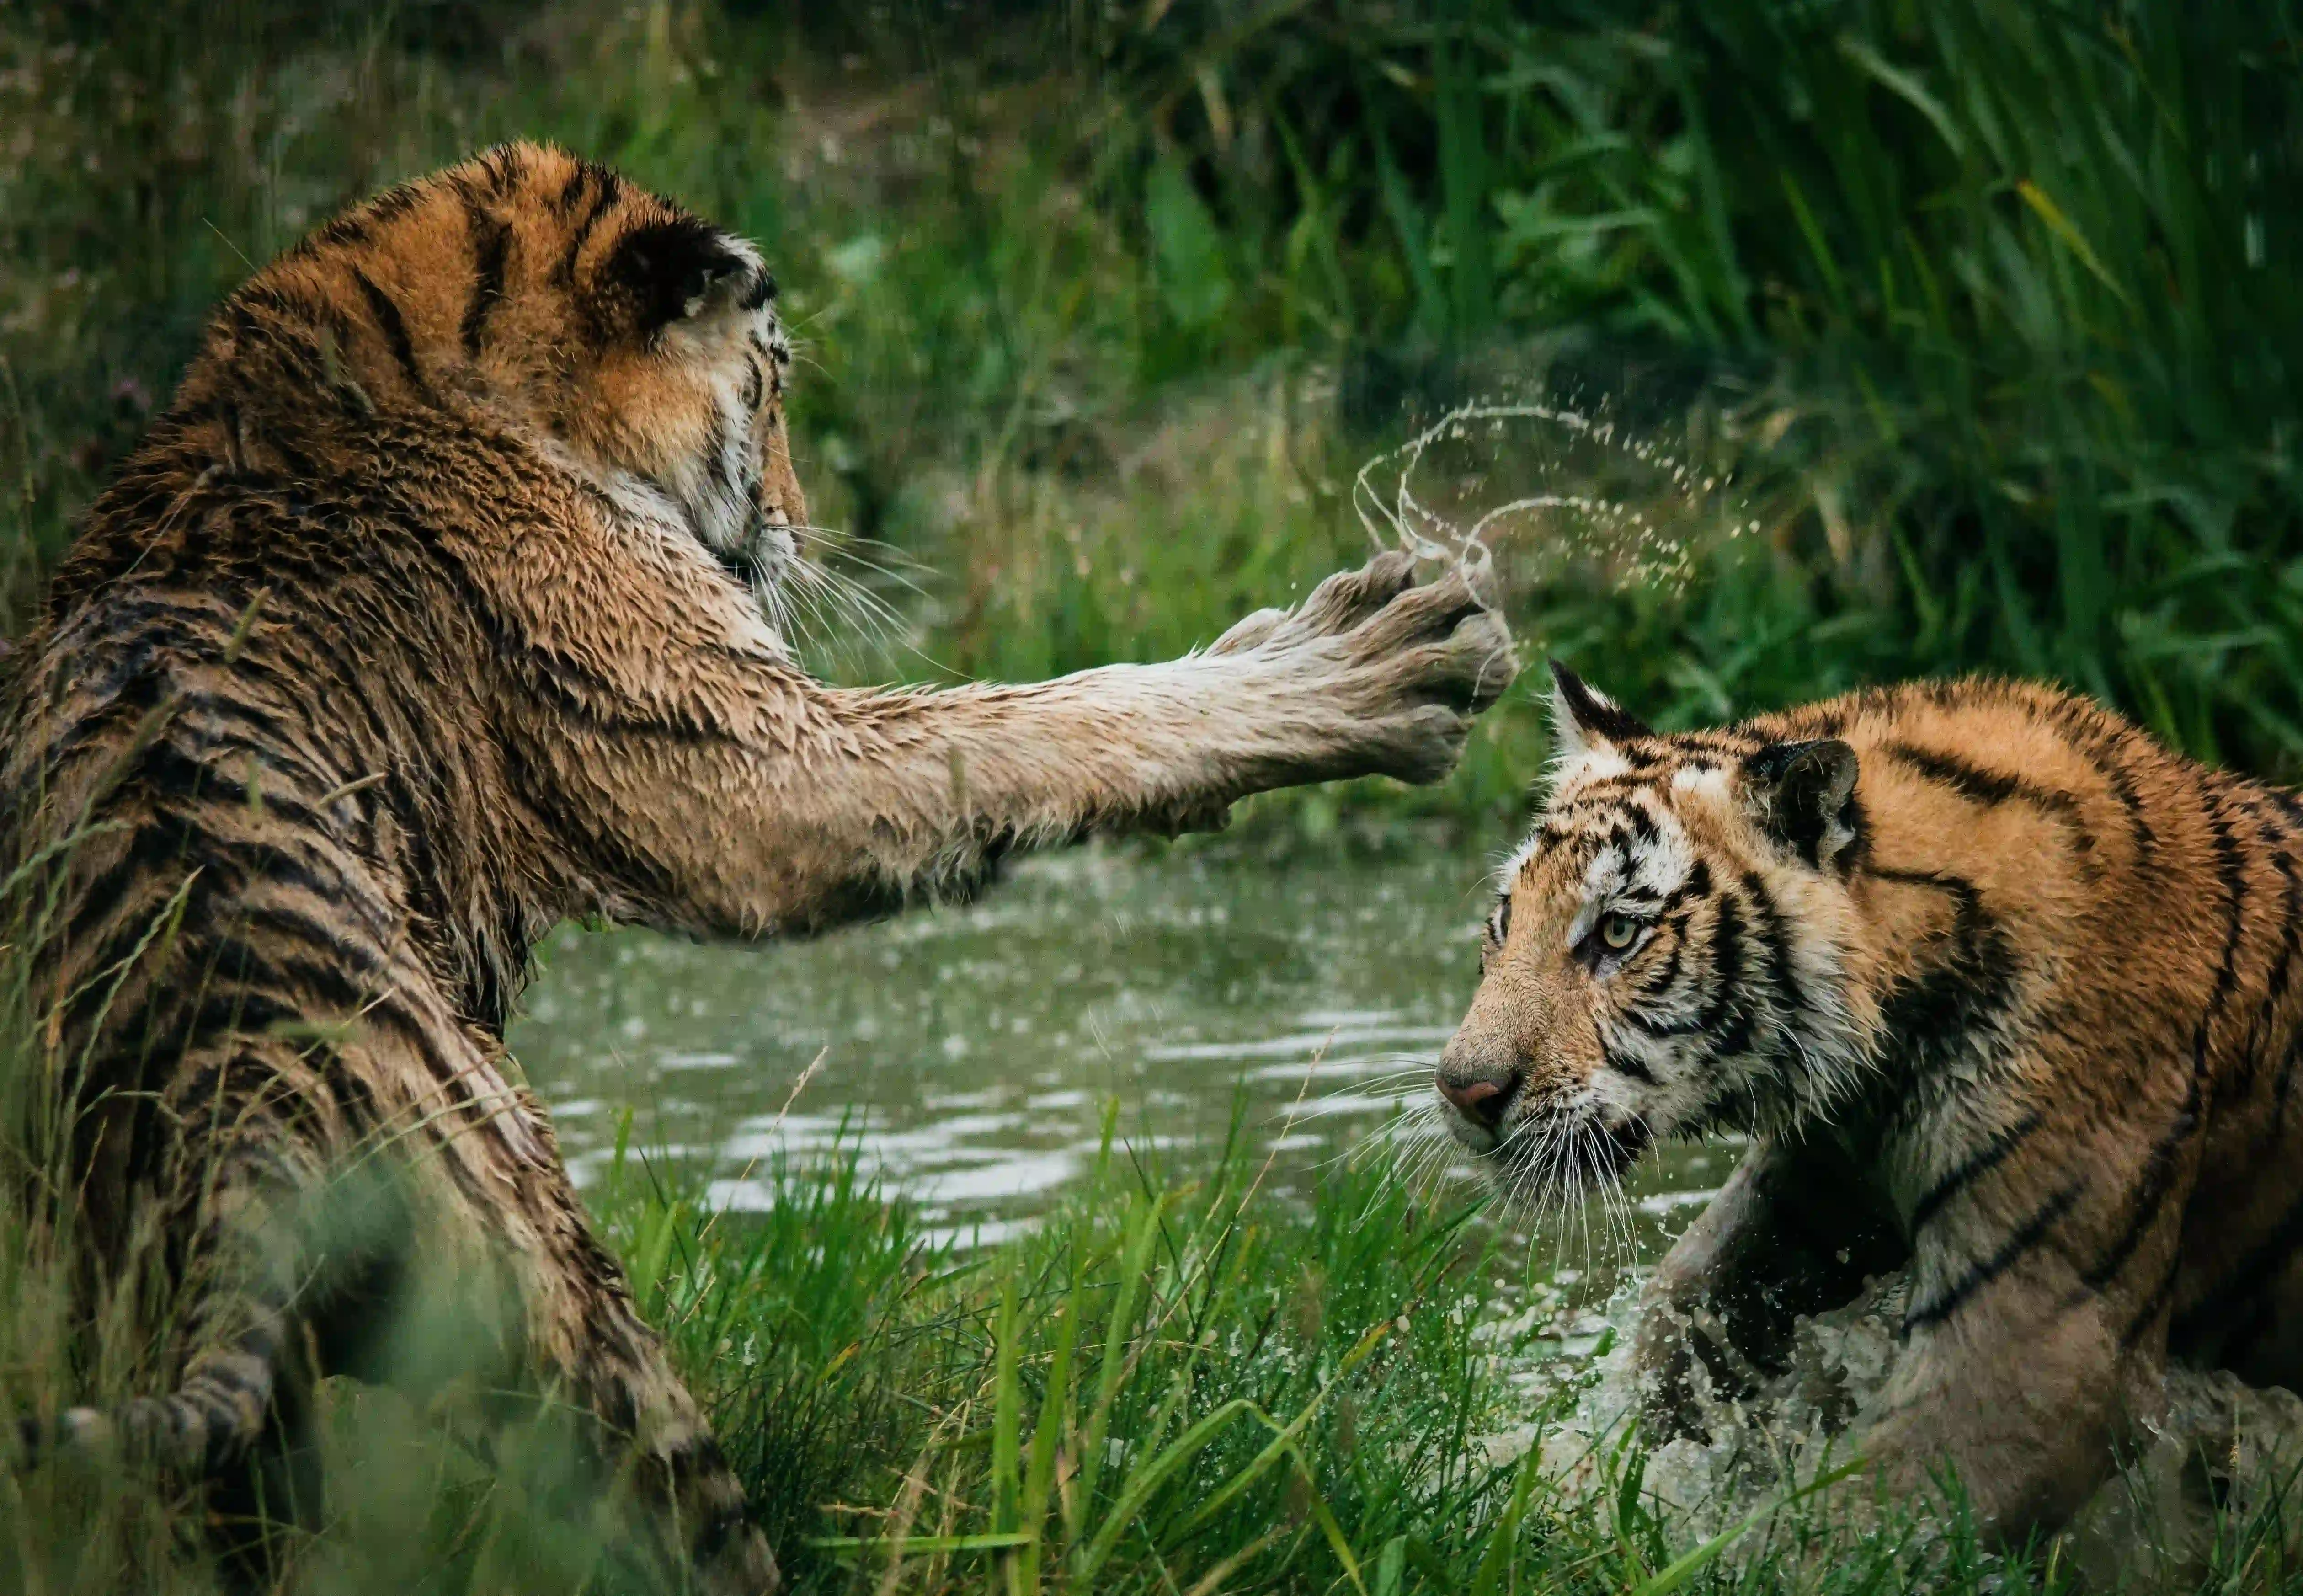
x=1648 y=534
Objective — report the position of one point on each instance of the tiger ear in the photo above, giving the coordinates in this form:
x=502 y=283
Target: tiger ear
x=1805 y=793
x=669 y=269
x=1584 y=719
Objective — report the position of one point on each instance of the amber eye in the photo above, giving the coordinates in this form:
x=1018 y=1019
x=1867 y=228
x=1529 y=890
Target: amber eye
x=1618 y=931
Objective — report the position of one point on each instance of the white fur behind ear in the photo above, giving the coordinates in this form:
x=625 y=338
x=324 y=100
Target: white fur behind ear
x=1568 y=741
x=1570 y=738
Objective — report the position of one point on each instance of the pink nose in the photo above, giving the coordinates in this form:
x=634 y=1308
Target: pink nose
x=1482 y=1101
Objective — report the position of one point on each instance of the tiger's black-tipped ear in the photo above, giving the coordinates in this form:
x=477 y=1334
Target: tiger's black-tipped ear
x=669 y=269
x=1805 y=793
x=1582 y=719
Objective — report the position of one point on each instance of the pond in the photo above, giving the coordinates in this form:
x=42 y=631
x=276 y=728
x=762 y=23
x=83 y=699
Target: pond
x=970 y=1051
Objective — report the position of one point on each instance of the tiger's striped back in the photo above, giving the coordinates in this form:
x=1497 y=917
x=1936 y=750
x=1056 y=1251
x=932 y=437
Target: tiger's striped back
x=282 y=860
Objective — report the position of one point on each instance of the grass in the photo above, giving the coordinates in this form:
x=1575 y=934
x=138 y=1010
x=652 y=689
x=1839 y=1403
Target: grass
x=1986 y=317
x=1177 y=1382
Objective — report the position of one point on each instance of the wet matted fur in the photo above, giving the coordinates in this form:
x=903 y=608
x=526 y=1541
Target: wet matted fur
x=2004 y=992
x=429 y=616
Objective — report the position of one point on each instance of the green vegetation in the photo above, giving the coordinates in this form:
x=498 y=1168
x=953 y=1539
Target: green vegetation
x=1178 y=1383
x=1991 y=309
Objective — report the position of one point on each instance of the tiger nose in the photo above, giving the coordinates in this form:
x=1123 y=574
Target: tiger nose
x=1482 y=1096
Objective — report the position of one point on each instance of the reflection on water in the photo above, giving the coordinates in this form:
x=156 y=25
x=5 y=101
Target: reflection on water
x=970 y=1051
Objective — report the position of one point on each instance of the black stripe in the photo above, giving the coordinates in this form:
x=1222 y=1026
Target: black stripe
x=279 y=974
x=362 y=957
x=1643 y=824
x=566 y=271
x=2155 y=1304
x=395 y=333
x=2158 y=1178
x=1775 y=936
x=1975 y=1165
x=1698 y=884
x=715 y=458
x=2027 y=1235
x=1931 y=1020
x=1624 y=1064
x=1659 y=982
x=2160 y=1169
x=491 y=243
x=2250 y=1280
x=1990 y=789
x=2144 y=838
x=2105 y=743
x=2264 y=1023
x=1727 y=1007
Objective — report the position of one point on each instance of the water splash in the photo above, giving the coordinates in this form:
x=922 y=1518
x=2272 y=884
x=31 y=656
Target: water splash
x=2219 y=1454
x=1647 y=528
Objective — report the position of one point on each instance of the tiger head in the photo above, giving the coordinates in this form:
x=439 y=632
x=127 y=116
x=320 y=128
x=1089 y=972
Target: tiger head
x=1672 y=952
x=529 y=292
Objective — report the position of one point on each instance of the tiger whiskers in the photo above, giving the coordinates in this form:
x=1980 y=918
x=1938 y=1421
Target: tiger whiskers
x=811 y=601
x=1558 y=1167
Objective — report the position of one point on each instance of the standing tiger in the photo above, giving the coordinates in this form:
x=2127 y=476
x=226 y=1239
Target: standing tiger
x=430 y=615
x=2005 y=994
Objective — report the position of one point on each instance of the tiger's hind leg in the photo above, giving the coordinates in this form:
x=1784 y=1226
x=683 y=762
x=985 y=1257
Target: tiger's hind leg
x=591 y=1349
x=259 y=1297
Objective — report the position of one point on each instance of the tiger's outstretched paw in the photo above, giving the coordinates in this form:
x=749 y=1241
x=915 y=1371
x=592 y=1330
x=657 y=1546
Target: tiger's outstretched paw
x=1404 y=667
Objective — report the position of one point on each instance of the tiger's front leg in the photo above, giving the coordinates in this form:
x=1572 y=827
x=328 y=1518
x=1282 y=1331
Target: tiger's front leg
x=752 y=801
x=1791 y=1232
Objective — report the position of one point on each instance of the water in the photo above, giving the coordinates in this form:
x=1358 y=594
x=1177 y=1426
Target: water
x=970 y=1051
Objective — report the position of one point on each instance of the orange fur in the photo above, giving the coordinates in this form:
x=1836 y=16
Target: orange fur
x=2006 y=993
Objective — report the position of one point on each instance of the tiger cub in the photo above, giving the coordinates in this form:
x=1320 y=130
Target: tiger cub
x=2004 y=992
x=440 y=606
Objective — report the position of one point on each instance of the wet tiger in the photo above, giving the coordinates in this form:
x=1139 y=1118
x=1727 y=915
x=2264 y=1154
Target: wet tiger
x=2004 y=992
x=436 y=610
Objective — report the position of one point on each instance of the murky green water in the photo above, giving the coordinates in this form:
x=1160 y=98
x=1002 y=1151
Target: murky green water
x=971 y=1051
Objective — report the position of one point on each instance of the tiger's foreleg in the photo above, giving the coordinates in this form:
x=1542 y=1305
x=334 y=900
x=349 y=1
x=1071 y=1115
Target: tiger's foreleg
x=828 y=804
x=2035 y=1333
x=1791 y=1232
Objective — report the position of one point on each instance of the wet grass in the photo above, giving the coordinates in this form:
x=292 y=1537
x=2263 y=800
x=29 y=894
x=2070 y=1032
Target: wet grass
x=1178 y=1382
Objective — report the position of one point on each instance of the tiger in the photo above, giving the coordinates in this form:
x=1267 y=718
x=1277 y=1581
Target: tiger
x=2003 y=993
x=436 y=610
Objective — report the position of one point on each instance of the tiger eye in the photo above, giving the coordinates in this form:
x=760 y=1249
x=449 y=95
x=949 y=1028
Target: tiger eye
x=1619 y=932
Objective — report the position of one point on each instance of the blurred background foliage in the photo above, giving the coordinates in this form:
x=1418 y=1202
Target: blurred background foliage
x=1982 y=317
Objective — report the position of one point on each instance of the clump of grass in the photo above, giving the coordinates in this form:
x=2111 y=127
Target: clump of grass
x=1179 y=1381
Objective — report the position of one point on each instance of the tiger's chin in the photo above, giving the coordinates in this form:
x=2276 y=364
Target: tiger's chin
x=762 y=557
x=1538 y=1159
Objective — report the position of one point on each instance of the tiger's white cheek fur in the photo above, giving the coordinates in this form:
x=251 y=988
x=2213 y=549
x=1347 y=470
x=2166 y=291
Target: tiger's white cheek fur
x=735 y=352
